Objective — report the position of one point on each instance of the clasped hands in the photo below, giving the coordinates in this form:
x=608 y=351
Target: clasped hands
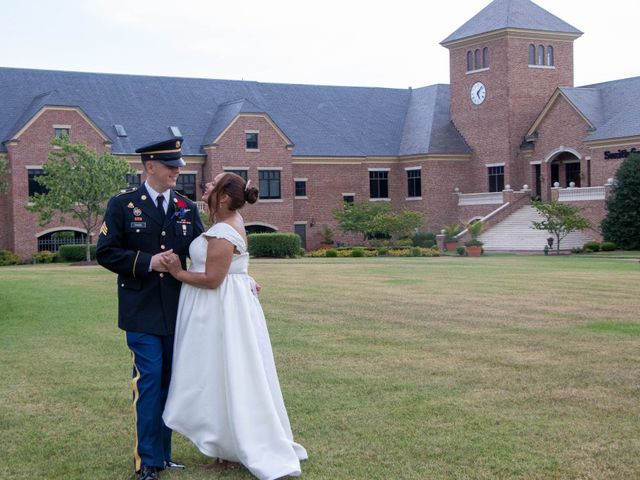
x=166 y=262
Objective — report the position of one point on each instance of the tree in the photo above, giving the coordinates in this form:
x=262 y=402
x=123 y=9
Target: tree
x=79 y=181
x=560 y=219
x=622 y=223
x=4 y=171
x=376 y=218
x=403 y=223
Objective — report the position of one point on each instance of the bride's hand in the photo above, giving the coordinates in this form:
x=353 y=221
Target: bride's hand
x=171 y=261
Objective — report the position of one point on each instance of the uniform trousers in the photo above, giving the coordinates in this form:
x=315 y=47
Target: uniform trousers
x=152 y=356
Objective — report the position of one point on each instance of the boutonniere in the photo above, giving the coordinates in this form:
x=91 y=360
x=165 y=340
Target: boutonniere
x=179 y=208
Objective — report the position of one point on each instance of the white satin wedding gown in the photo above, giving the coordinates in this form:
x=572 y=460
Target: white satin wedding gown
x=224 y=395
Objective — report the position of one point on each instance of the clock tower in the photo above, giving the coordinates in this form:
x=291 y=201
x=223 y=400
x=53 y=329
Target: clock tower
x=505 y=63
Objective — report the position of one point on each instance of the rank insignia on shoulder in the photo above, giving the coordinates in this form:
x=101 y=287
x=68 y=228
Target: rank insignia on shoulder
x=127 y=190
x=104 y=229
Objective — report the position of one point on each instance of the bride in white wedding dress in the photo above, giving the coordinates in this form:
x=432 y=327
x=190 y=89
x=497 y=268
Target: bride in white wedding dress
x=224 y=394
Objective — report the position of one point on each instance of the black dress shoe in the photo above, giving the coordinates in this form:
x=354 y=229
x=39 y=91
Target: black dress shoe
x=172 y=465
x=148 y=473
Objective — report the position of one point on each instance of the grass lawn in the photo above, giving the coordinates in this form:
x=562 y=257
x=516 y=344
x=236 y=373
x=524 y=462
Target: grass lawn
x=409 y=368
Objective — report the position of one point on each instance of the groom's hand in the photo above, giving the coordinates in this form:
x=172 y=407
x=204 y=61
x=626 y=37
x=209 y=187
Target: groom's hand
x=157 y=263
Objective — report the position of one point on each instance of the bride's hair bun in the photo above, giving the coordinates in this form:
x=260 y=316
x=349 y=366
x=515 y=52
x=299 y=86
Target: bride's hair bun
x=251 y=194
x=239 y=191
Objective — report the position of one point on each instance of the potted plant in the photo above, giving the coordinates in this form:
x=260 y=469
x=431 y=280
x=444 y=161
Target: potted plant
x=474 y=246
x=326 y=236
x=450 y=233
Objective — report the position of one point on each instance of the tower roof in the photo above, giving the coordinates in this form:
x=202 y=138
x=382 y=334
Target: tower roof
x=511 y=14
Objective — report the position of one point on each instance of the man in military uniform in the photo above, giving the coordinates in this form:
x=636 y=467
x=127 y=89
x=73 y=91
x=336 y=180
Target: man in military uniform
x=139 y=226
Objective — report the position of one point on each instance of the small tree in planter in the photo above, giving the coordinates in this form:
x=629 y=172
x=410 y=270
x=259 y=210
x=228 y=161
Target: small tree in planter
x=326 y=236
x=450 y=233
x=474 y=246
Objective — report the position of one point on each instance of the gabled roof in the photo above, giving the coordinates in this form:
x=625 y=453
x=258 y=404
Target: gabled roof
x=588 y=101
x=611 y=109
x=511 y=14
x=50 y=98
x=318 y=120
x=225 y=114
x=620 y=116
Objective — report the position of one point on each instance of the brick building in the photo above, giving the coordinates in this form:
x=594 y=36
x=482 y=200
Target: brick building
x=510 y=126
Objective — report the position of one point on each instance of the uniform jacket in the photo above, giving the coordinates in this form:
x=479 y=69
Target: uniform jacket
x=131 y=234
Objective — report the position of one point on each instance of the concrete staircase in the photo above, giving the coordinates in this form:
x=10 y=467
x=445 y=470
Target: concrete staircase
x=514 y=234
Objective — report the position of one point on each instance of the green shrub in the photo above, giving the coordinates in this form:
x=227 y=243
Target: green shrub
x=383 y=251
x=357 y=252
x=302 y=252
x=379 y=242
x=574 y=250
x=274 y=245
x=461 y=251
x=593 y=246
x=403 y=242
x=75 y=253
x=608 y=246
x=9 y=258
x=44 y=256
x=332 y=253
x=622 y=224
x=424 y=239
x=410 y=252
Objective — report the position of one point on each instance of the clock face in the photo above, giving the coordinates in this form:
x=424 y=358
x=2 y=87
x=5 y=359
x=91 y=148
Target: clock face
x=478 y=92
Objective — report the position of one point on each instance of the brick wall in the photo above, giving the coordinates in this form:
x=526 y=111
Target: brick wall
x=6 y=232
x=516 y=93
x=272 y=153
x=32 y=149
x=561 y=129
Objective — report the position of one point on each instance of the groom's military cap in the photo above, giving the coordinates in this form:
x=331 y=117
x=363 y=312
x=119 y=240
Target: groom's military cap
x=168 y=152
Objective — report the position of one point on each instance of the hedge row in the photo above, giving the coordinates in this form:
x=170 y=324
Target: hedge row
x=8 y=258
x=75 y=253
x=274 y=245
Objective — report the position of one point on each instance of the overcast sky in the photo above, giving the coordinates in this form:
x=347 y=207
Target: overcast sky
x=329 y=42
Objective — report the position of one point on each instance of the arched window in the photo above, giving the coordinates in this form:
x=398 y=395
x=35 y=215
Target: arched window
x=477 y=59
x=532 y=54
x=469 y=61
x=550 y=55
x=485 y=57
x=540 y=55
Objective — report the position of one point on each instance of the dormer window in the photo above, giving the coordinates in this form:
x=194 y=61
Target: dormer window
x=120 y=131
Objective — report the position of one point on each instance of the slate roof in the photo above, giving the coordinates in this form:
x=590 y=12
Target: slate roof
x=428 y=126
x=613 y=108
x=515 y=14
x=588 y=101
x=319 y=120
x=224 y=116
